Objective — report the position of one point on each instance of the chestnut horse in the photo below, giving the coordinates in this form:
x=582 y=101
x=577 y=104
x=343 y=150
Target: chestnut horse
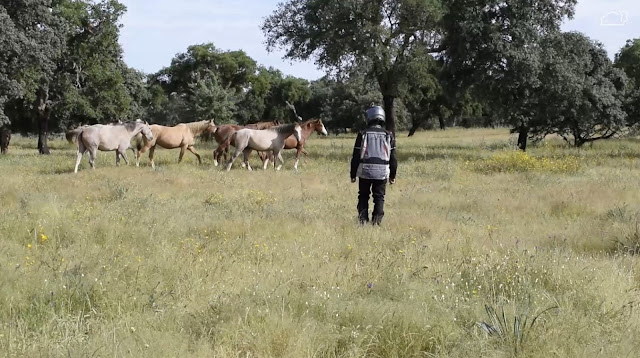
x=271 y=139
x=181 y=136
x=223 y=132
x=308 y=127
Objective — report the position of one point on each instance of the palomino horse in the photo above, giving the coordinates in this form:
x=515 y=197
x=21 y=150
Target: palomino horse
x=108 y=138
x=181 y=136
x=308 y=127
x=223 y=132
x=271 y=139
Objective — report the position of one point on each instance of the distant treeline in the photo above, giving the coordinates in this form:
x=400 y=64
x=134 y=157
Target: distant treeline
x=466 y=64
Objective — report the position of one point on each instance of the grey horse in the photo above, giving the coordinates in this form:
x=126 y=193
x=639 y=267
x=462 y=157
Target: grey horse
x=272 y=139
x=109 y=138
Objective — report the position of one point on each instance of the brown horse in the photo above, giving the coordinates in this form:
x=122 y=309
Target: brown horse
x=308 y=127
x=180 y=136
x=224 y=132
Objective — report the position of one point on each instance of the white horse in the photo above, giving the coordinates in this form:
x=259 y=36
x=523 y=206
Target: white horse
x=271 y=139
x=109 y=138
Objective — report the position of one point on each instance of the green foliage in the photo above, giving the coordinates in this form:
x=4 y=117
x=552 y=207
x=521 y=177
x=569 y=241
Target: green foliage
x=581 y=95
x=31 y=38
x=628 y=59
x=73 y=72
x=205 y=83
x=341 y=103
x=210 y=100
x=383 y=38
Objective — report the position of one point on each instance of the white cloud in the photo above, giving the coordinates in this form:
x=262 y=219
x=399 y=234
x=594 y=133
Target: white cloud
x=611 y=22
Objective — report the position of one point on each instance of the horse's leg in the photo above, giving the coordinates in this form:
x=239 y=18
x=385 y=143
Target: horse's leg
x=133 y=151
x=151 y=151
x=278 y=154
x=182 y=149
x=81 y=150
x=117 y=157
x=233 y=158
x=295 y=166
x=193 y=150
x=139 y=154
x=92 y=157
x=123 y=154
x=216 y=155
x=265 y=160
x=247 y=152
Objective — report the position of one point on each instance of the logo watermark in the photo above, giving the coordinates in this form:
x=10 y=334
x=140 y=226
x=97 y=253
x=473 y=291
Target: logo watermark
x=615 y=18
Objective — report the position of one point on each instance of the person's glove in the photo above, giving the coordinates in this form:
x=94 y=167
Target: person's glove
x=353 y=180
x=392 y=180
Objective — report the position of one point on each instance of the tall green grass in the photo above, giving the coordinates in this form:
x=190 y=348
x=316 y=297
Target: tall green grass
x=190 y=260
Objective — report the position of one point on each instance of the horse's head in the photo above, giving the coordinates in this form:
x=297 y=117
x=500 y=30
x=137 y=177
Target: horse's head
x=318 y=126
x=211 y=127
x=146 y=130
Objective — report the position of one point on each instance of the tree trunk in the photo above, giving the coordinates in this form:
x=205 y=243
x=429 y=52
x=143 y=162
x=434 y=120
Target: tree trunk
x=523 y=134
x=415 y=125
x=390 y=113
x=44 y=112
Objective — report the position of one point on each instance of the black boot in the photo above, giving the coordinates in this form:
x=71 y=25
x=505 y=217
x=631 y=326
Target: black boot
x=376 y=220
x=363 y=217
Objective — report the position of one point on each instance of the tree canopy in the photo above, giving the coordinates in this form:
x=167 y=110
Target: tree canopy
x=429 y=62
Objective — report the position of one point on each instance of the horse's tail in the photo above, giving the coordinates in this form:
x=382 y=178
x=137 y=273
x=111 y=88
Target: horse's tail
x=79 y=141
x=72 y=135
x=231 y=138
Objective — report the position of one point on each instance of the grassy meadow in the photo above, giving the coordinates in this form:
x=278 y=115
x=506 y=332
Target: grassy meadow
x=483 y=252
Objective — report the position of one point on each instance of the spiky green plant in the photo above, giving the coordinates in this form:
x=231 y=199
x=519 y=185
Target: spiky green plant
x=516 y=335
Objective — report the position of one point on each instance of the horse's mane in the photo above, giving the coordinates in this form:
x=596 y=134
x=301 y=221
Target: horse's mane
x=283 y=127
x=130 y=126
x=308 y=122
x=197 y=127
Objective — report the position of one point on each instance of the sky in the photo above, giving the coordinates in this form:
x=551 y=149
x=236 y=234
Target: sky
x=154 y=31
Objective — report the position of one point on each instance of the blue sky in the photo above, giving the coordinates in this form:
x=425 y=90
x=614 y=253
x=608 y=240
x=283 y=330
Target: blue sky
x=155 y=30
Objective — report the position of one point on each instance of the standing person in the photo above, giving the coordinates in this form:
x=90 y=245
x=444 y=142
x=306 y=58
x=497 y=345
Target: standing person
x=374 y=162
